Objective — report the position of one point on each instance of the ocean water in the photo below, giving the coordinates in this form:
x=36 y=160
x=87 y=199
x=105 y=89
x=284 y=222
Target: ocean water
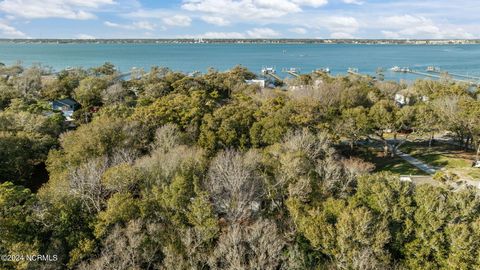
x=460 y=59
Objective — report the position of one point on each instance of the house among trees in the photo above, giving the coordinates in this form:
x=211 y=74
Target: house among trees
x=66 y=106
x=260 y=83
x=401 y=99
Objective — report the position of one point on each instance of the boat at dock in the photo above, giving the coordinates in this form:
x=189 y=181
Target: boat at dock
x=399 y=69
x=433 y=69
x=352 y=70
x=324 y=70
x=293 y=70
x=268 y=70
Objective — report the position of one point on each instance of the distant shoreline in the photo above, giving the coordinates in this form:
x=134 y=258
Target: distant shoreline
x=248 y=41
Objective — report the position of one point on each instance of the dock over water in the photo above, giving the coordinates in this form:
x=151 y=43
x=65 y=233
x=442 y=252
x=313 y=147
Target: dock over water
x=437 y=74
x=292 y=71
x=270 y=71
x=354 y=71
x=440 y=72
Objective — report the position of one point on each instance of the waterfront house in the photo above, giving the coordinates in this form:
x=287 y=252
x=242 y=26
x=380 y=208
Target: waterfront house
x=66 y=106
x=401 y=99
x=260 y=83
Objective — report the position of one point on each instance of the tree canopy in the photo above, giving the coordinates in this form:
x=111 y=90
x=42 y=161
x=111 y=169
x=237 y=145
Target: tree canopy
x=170 y=171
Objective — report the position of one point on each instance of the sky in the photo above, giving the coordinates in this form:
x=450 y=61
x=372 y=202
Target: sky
x=88 y=19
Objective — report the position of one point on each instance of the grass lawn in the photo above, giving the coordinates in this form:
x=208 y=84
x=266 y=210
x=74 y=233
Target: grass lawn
x=386 y=164
x=395 y=165
x=444 y=156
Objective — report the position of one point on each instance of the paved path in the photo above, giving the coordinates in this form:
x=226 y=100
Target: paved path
x=417 y=163
x=421 y=179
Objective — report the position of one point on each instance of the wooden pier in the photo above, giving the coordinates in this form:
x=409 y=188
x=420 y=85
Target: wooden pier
x=455 y=74
x=275 y=76
x=354 y=71
x=411 y=71
x=292 y=71
x=127 y=76
x=423 y=74
x=270 y=71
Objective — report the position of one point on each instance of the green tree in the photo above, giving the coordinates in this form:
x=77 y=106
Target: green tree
x=228 y=127
x=89 y=91
x=17 y=226
x=354 y=124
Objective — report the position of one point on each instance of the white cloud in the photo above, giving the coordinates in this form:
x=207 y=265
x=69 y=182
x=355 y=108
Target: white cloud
x=341 y=19
x=143 y=25
x=312 y=3
x=298 y=30
x=280 y=5
x=84 y=36
x=253 y=33
x=250 y=10
x=341 y=35
x=390 y=34
x=262 y=33
x=219 y=21
x=340 y=24
x=68 y=9
x=355 y=2
x=111 y=24
x=429 y=31
x=412 y=26
x=147 y=14
x=168 y=18
x=402 y=21
x=177 y=20
x=8 y=31
x=337 y=26
x=223 y=35
x=243 y=9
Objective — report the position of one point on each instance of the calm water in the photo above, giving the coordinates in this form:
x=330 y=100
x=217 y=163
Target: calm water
x=462 y=59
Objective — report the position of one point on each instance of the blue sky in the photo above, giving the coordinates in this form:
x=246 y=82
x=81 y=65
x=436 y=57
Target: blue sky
x=239 y=18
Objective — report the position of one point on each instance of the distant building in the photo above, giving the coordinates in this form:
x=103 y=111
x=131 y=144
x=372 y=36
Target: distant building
x=66 y=106
x=404 y=98
x=260 y=83
x=401 y=99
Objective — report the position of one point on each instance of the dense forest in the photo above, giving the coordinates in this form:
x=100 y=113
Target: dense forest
x=164 y=170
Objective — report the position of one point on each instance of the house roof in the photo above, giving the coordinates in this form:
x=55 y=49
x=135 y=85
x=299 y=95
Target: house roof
x=67 y=101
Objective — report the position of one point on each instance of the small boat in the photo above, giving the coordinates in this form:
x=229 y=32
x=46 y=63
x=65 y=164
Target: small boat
x=352 y=70
x=194 y=73
x=433 y=69
x=268 y=70
x=395 y=69
x=324 y=70
x=399 y=69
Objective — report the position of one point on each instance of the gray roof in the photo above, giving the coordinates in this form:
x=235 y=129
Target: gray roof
x=67 y=101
